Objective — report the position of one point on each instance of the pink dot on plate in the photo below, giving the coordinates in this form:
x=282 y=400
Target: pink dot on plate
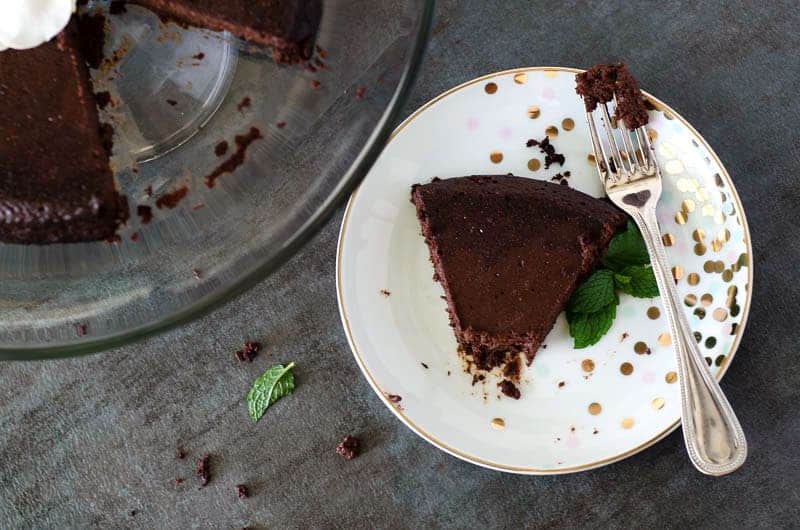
x=548 y=93
x=649 y=377
x=472 y=124
x=505 y=133
x=572 y=442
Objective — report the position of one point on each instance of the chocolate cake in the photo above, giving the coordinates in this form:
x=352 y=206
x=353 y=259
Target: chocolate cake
x=55 y=181
x=288 y=26
x=56 y=184
x=602 y=82
x=509 y=252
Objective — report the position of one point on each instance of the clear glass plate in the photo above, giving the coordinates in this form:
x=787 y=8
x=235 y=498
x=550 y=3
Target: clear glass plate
x=176 y=94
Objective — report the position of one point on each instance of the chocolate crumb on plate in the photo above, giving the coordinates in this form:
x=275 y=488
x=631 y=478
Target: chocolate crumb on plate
x=561 y=384
x=394 y=398
x=203 y=469
x=248 y=352
x=241 y=491
x=199 y=56
x=386 y=293
x=509 y=389
x=550 y=155
x=349 y=447
x=424 y=365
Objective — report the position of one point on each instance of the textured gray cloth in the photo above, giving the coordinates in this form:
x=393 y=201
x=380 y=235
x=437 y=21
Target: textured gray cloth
x=85 y=441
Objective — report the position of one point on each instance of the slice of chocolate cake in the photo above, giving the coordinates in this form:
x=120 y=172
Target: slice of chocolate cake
x=288 y=26
x=509 y=252
x=55 y=181
x=602 y=82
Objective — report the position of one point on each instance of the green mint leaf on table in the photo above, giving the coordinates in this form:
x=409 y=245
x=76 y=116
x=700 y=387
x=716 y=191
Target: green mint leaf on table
x=269 y=387
x=626 y=248
x=588 y=328
x=642 y=282
x=595 y=293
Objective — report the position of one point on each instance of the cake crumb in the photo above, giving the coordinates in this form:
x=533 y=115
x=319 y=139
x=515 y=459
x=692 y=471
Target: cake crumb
x=241 y=491
x=561 y=384
x=248 y=351
x=424 y=365
x=509 y=389
x=81 y=329
x=180 y=453
x=315 y=84
x=624 y=336
x=245 y=103
x=172 y=102
x=203 y=470
x=394 y=398
x=386 y=293
x=280 y=124
x=349 y=447
x=360 y=91
x=551 y=157
x=197 y=274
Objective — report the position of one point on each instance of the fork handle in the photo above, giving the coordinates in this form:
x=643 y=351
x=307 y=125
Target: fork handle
x=714 y=438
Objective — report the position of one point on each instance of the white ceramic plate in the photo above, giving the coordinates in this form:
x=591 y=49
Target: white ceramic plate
x=614 y=400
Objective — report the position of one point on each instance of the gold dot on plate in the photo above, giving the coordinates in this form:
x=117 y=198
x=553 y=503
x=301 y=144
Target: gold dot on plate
x=534 y=164
x=727 y=275
x=587 y=365
x=668 y=240
x=700 y=313
x=626 y=368
x=550 y=73
x=653 y=313
x=699 y=249
x=719 y=267
x=716 y=245
x=671 y=377
x=665 y=339
x=706 y=299
x=652 y=134
x=595 y=409
x=693 y=278
x=567 y=124
x=551 y=131
x=690 y=300
x=719 y=218
x=720 y=314
x=677 y=272
x=724 y=235
x=640 y=348
x=708 y=210
x=521 y=78
x=496 y=157
x=498 y=424
x=627 y=423
x=708 y=266
x=687 y=206
x=490 y=88
x=591 y=159
x=533 y=112
x=657 y=403
x=699 y=235
x=680 y=218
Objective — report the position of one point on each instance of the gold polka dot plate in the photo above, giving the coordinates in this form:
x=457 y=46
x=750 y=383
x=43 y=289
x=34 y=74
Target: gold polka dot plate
x=579 y=409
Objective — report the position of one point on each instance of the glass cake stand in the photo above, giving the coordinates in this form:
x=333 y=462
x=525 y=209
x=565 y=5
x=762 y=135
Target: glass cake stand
x=179 y=96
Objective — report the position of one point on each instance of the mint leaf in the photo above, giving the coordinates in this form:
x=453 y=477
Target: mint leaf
x=595 y=293
x=626 y=248
x=588 y=328
x=268 y=388
x=620 y=280
x=642 y=282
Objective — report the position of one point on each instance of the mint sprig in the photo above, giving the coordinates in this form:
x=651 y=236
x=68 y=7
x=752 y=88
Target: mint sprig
x=269 y=387
x=593 y=306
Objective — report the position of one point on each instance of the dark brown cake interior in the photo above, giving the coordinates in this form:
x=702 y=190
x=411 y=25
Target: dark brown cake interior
x=600 y=83
x=55 y=181
x=509 y=252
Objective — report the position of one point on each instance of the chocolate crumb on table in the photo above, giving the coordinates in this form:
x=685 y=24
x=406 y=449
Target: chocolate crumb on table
x=221 y=148
x=197 y=274
x=180 y=453
x=132 y=513
x=81 y=329
x=171 y=102
x=360 y=91
x=280 y=124
x=241 y=491
x=315 y=84
x=203 y=469
x=349 y=447
x=145 y=213
x=248 y=351
x=244 y=104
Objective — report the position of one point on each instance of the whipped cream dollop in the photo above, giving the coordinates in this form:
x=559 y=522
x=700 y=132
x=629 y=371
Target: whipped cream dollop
x=28 y=23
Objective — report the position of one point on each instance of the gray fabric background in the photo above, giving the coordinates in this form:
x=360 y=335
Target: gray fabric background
x=84 y=441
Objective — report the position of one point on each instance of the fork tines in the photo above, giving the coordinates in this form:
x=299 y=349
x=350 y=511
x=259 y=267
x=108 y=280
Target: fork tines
x=619 y=159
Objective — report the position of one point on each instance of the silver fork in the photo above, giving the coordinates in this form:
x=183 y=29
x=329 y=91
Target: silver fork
x=714 y=438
